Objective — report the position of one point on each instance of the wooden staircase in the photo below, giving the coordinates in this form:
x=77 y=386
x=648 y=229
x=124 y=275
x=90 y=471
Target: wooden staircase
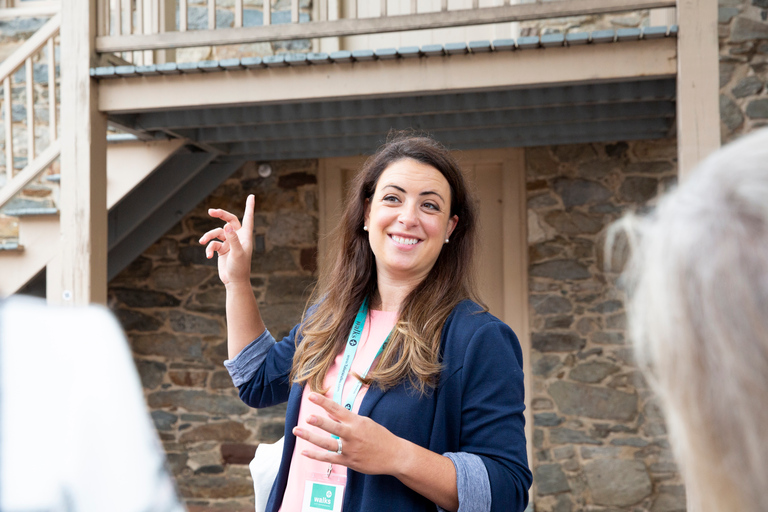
x=150 y=179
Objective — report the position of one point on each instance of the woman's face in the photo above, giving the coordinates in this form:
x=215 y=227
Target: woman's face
x=408 y=220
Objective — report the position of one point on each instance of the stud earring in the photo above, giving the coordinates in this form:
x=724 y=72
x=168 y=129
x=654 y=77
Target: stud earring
x=365 y=228
x=446 y=240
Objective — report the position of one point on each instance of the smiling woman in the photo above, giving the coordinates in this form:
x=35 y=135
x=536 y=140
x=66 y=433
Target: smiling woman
x=403 y=393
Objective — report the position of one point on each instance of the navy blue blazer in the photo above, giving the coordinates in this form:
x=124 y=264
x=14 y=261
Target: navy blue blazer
x=477 y=407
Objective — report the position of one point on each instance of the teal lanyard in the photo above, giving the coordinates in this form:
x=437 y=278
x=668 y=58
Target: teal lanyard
x=349 y=355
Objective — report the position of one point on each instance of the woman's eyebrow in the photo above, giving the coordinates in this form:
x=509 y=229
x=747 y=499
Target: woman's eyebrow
x=425 y=193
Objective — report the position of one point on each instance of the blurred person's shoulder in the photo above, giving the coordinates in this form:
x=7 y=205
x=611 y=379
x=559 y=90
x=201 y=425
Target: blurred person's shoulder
x=33 y=315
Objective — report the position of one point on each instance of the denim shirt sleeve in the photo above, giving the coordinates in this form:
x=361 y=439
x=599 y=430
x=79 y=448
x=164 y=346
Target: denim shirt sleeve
x=472 y=482
x=244 y=365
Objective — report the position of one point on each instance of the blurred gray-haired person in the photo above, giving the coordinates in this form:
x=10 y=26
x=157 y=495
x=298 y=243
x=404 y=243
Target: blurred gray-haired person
x=697 y=285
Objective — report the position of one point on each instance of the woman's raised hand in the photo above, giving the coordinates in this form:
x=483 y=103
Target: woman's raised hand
x=233 y=242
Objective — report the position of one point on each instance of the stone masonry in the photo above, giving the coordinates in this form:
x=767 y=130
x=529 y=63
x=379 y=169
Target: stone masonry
x=743 y=32
x=599 y=440
x=171 y=303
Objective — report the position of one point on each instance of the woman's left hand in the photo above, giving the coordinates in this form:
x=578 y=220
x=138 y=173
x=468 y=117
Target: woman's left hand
x=367 y=447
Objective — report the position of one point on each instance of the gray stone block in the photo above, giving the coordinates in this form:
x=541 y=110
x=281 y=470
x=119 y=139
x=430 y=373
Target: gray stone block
x=543 y=365
x=144 y=298
x=570 y=436
x=550 y=304
x=198 y=401
x=194 y=324
x=557 y=342
x=746 y=29
x=726 y=14
x=576 y=192
x=747 y=87
x=151 y=373
x=638 y=190
x=730 y=113
x=593 y=402
x=550 y=479
x=758 y=109
x=618 y=483
x=163 y=420
x=593 y=372
x=167 y=345
x=561 y=270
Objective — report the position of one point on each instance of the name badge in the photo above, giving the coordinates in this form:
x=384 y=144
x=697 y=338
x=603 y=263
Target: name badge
x=323 y=494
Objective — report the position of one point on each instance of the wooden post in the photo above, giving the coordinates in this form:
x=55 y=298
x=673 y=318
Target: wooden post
x=30 y=93
x=81 y=276
x=8 y=120
x=698 y=111
x=51 y=90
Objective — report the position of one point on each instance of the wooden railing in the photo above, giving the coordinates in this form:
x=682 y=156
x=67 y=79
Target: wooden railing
x=118 y=32
x=10 y=9
x=38 y=49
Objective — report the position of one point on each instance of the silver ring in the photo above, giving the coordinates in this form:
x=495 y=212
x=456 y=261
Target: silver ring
x=338 y=440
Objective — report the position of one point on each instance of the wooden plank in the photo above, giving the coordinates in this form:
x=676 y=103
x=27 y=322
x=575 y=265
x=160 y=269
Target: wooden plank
x=51 y=90
x=82 y=276
x=348 y=27
x=383 y=5
x=102 y=12
x=8 y=120
x=323 y=15
x=128 y=4
x=444 y=5
x=294 y=11
x=30 y=47
x=118 y=11
x=44 y=9
x=459 y=73
x=352 y=9
x=183 y=14
x=698 y=111
x=211 y=14
x=414 y=6
x=266 y=16
x=238 y=13
x=29 y=85
x=30 y=172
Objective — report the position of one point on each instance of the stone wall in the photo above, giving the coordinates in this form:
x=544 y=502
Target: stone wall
x=585 y=23
x=743 y=33
x=171 y=304
x=599 y=440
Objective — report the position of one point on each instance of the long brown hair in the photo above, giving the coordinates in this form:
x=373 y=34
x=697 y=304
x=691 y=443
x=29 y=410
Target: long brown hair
x=413 y=350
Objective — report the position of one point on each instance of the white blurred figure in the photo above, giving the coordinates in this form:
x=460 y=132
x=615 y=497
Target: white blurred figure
x=698 y=308
x=74 y=430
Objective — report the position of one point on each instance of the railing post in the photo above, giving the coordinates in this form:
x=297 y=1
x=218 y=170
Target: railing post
x=167 y=23
x=51 y=90
x=8 y=120
x=81 y=276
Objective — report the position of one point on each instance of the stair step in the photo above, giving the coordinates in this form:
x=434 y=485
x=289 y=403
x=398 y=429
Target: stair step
x=29 y=212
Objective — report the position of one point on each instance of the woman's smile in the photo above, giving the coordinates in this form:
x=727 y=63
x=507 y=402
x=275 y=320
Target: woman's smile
x=404 y=240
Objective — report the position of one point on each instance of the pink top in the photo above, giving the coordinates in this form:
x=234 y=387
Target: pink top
x=377 y=328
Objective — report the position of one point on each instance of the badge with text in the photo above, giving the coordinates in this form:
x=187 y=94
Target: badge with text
x=323 y=493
